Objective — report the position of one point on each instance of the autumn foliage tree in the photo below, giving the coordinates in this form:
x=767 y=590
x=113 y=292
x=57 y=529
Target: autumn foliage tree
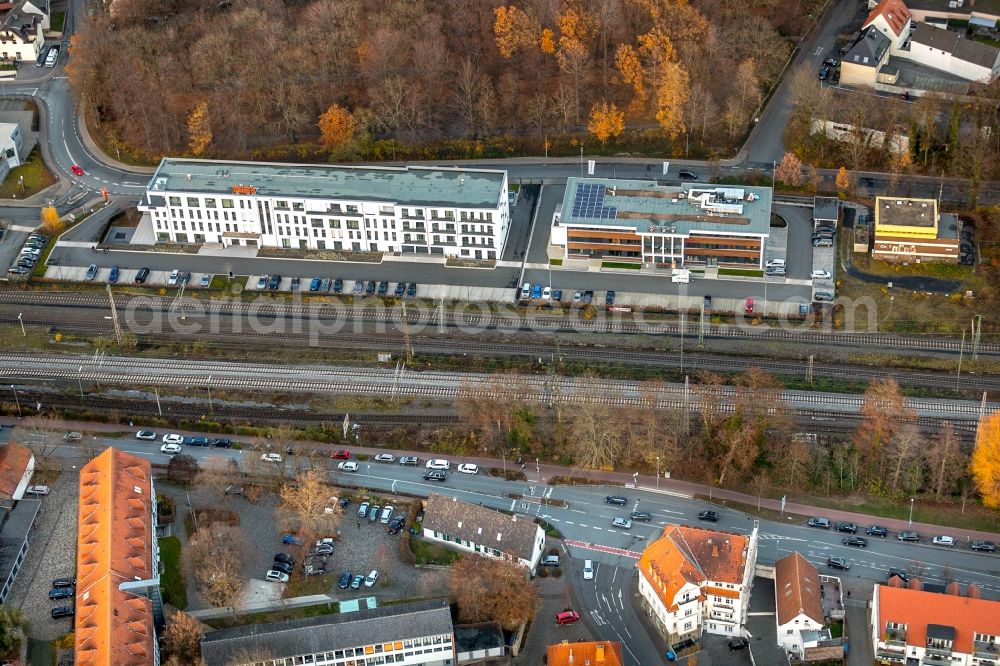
x=336 y=126
x=217 y=555
x=199 y=129
x=985 y=464
x=488 y=590
x=790 y=170
x=181 y=639
x=606 y=121
x=306 y=507
x=51 y=223
x=843 y=180
x=884 y=412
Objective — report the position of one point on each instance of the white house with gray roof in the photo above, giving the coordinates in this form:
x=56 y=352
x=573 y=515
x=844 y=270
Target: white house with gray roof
x=412 y=210
x=487 y=532
x=413 y=634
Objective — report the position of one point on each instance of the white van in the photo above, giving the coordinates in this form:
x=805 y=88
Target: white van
x=588 y=570
x=526 y=291
x=50 y=59
x=681 y=276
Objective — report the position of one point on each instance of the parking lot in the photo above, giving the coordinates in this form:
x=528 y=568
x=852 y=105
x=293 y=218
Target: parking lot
x=360 y=547
x=51 y=554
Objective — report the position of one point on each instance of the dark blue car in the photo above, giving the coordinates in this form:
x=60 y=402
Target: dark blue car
x=345 y=580
x=113 y=277
x=197 y=441
x=60 y=593
x=314 y=284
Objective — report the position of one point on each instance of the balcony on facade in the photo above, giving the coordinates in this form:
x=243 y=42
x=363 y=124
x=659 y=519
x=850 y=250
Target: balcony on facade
x=986 y=651
x=415 y=226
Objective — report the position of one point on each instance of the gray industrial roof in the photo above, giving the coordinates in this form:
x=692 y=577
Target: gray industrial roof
x=679 y=209
x=508 y=534
x=954 y=43
x=313 y=635
x=826 y=208
x=408 y=185
x=16 y=525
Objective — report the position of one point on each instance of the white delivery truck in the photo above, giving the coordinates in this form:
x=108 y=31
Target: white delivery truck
x=680 y=276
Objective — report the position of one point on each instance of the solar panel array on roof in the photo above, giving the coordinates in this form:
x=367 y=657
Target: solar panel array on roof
x=589 y=202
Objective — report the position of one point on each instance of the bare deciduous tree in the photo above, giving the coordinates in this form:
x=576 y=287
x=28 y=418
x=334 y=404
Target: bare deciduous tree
x=486 y=589
x=218 y=561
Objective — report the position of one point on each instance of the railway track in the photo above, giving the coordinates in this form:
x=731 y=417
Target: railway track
x=401 y=382
x=135 y=311
x=689 y=361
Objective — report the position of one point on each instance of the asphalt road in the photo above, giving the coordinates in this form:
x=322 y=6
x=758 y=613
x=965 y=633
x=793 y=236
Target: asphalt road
x=585 y=522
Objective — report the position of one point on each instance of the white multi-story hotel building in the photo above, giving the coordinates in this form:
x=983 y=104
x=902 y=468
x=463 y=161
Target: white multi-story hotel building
x=694 y=580
x=419 y=210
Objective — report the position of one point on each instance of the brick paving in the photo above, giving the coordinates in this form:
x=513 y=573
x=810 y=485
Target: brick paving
x=51 y=553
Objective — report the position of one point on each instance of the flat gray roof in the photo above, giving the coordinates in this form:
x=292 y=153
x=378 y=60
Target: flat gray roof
x=312 y=635
x=408 y=185
x=826 y=208
x=678 y=209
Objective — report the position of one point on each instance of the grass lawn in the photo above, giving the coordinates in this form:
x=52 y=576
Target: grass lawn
x=741 y=271
x=306 y=585
x=36 y=178
x=620 y=264
x=432 y=553
x=57 y=21
x=172 y=580
x=837 y=628
x=223 y=282
x=273 y=616
x=555 y=262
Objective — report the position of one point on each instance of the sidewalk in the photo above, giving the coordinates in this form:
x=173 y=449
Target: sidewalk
x=793 y=510
x=263 y=606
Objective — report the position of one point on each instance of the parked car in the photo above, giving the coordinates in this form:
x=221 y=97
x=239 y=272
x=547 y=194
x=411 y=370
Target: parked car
x=64 y=581
x=314 y=284
x=468 y=468
x=371 y=579
x=358 y=288
x=623 y=523
x=822 y=523
x=363 y=510
x=410 y=461
x=141 y=275
x=577 y=296
x=748 y=305
x=738 y=644
x=822 y=242
x=908 y=535
x=386 y=514
x=91 y=272
x=62 y=611
x=347 y=466
x=114 y=274
x=206 y=280
x=357 y=582
x=221 y=442
x=942 y=540
x=61 y=593
x=283 y=567
x=284 y=557
x=710 y=516
x=411 y=289
x=609 y=298
x=197 y=441
x=341 y=454
x=271 y=457
x=383 y=288
x=860 y=542
x=400 y=289
x=373 y=512
x=983 y=546
x=616 y=499
x=384 y=458
x=434 y=475
x=274 y=282
x=823 y=296
x=643 y=516
x=549 y=561
x=707 y=302
x=438 y=463
x=838 y=563
x=687 y=175
x=276 y=576
x=819 y=275
x=148 y=435
x=370 y=288
x=233 y=489
x=345 y=580
x=588 y=296
x=588 y=570
x=291 y=539
x=396 y=524
x=170 y=449
x=877 y=530
x=37 y=490
x=850 y=528
x=338 y=286
x=297 y=282
x=824 y=73
x=567 y=617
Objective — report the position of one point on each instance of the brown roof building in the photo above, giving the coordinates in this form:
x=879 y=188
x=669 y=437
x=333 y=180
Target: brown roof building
x=118 y=603
x=800 y=616
x=483 y=531
x=696 y=580
x=595 y=653
x=17 y=463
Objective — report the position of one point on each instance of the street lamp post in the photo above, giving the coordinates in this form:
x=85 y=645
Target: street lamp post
x=911 y=512
x=21 y=321
x=16 y=400
x=538 y=473
x=657 y=472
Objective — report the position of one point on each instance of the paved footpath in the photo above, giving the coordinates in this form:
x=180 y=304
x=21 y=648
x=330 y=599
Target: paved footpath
x=642 y=482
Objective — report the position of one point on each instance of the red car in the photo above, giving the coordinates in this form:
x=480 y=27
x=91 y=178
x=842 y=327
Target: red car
x=566 y=617
x=77 y=170
x=749 y=305
x=341 y=454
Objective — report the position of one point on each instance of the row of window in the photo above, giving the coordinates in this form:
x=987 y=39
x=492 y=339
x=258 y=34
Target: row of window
x=347 y=209
x=468 y=544
x=371 y=655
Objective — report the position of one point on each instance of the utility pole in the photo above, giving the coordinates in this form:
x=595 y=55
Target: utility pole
x=701 y=328
x=977 y=331
x=159 y=409
x=210 y=409
x=961 y=352
x=114 y=315
x=21 y=321
x=809 y=369
x=406 y=336
x=687 y=405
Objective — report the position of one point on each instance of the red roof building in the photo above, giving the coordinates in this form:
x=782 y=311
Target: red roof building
x=892 y=19
x=17 y=464
x=118 y=603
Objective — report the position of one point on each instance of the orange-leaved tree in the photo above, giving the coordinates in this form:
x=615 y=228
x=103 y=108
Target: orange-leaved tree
x=513 y=28
x=843 y=180
x=790 y=170
x=199 y=129
x=336 y=126
x=51 y=224
x=985 y=464
x=606 y=121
